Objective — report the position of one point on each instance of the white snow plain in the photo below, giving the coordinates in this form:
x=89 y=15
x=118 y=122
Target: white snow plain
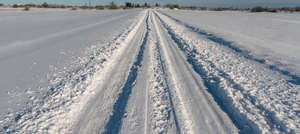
x=148 y=71
x=37 y=45
x=266 y=96
x=272 y=37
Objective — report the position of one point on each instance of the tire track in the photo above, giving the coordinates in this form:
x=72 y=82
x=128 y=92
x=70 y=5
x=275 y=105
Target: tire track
x=187 y=91
x=294 y=79
x=185 y=124
x=114 y=123
x=247 y=113
x=211 y=83
x=162 y=103
x=69 y=91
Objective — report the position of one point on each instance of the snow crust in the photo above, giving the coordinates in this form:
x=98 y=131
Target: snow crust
x=267 y=36
x=147 y=71
x=62 y=97
x=268 y=100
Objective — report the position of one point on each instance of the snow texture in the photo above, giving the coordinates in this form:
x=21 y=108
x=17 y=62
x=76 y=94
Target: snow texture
x=149 y=71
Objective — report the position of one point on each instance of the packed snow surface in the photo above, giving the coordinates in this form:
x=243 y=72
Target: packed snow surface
x=268 y=36
x=149 y=71
x=36 y=46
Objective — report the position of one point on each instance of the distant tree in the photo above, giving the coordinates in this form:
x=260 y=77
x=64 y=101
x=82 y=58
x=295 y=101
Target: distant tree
x=15 y=6
x=157 y=5
x=273 y=10
x=112 y=5
x=137 y=5
x=129 y=4
x=45 y=5
x=172 y=6
x=62 y=6
x=145 y=4
x=30 y=5
x=176 y=6
x=84 y=7
x=257 y=9
x=26 y=8
x=99 y=7
x=1 y=4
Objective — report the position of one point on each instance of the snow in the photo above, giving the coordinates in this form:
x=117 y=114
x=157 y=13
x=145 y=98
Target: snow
x=160 y=93
x=47 y=44
x=148 y=71
x=269 y=36
x=259 y=93
x=196 y=111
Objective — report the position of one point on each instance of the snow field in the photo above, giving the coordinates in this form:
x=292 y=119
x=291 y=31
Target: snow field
x=159 y=75
x=260 y=94
x=26 y=70
x=68 y=93
x=261 y=36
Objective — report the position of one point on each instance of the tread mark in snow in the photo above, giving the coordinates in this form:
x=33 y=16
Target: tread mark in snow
x=294 y=79
x=114 y=124
x=160 y=76
x=240 y=122
x=170 y=95
x=213 y=82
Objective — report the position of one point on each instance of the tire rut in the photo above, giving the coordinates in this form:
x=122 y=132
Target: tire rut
x=114 y=123
x=218 y=81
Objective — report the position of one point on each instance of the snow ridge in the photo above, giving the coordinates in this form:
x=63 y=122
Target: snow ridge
x=293 y=78
x=67 y=92
x=187 y=125
x=160 y=96
x=254 y=97
x=114 y=123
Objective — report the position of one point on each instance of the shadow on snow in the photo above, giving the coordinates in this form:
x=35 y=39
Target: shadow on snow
x=213 y=83
x=294 y=79
x=115 y=121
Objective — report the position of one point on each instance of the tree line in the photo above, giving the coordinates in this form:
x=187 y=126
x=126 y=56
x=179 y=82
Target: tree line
x=129 y=5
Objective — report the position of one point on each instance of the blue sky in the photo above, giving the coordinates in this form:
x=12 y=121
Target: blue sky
x=209 y=3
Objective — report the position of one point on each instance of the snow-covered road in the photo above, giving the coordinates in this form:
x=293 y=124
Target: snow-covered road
x=160 y=75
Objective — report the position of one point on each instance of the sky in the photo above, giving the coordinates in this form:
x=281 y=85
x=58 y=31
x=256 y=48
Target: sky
x=208 y=3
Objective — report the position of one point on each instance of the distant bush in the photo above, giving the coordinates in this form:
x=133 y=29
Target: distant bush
x=218 y=9
x=257 y=9
x=261 y=9
x=137 y=5
x=146 y=5
x=15 y=6
x=272 y=10
x=30 y=5
x=287 y=9
x=193 y=8
x=45 y=5
x=84 y=7
x=157 y=5
x=1 y=4
x=129 y=5
x=112 y=5
x=172 y=6
x=99 y=7
x=26 y=8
